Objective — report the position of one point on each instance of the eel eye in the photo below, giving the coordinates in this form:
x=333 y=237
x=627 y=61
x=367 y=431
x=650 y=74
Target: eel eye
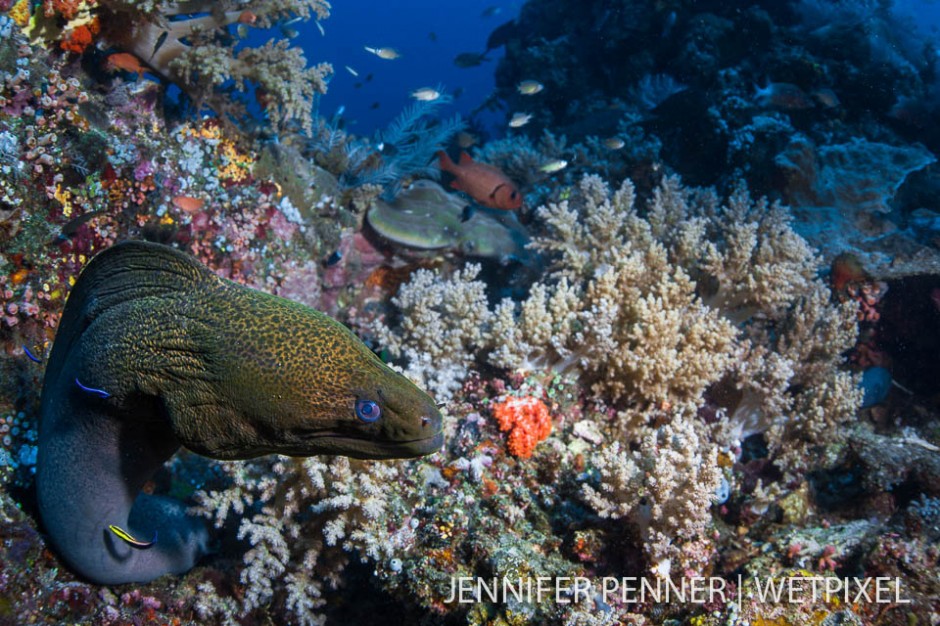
x=368 y=411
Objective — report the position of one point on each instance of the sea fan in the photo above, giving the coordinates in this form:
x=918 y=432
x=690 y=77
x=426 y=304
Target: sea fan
x=654 y=89
x=405 y=149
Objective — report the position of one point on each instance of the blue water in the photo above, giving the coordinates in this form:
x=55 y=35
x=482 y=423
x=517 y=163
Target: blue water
x=406 y=26
x=925 y=14
x=429 y=34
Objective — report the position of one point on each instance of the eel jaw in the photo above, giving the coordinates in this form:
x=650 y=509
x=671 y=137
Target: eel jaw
x=363 y=446
x=395 y=450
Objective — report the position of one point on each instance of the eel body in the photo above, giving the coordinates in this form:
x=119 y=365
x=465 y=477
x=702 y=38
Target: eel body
x=155 y=351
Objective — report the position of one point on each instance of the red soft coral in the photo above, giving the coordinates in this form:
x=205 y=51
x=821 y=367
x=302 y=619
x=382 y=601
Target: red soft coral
x=528 y=419
x=79 y=38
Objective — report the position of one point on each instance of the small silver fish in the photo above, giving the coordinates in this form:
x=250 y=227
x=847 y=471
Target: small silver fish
x=826 y=97
x=529 y=87
x=389 y=54
x=320 y=28
x=614 y=143
x=519 y=119
x=287 y=28
x=466 y=140
x=426 y=94
x=352 y=71
x=553 y=166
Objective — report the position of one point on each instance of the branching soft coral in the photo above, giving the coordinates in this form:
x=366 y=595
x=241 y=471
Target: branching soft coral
x=293 y=552
x=287 y=86
x=745 y=254
x=443 y=325
x=186 y=50
x=666 y=489
x=635 y=328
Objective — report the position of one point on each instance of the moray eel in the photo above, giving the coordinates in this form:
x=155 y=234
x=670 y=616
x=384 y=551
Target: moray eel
x=155 y=351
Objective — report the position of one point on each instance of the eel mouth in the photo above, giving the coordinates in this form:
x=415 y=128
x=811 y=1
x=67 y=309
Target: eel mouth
x=358 y=447
x=398 y=449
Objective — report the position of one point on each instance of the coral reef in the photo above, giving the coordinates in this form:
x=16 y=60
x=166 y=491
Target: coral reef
x=190 y=45
x=640 y=377
x=778 y=94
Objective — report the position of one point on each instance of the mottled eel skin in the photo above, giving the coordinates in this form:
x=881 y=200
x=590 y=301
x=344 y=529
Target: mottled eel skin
x=188 y=358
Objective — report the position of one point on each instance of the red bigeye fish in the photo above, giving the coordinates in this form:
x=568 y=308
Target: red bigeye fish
x=484 y=183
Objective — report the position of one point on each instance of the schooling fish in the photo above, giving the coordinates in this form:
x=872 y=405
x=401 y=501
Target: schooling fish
x=169 y=354
x=529 y=87
x=466 y=140
x=484 y=183
x=389 y=54
x=469 y=59
x=518 y=120
x=426 y=94
x=503 y=34
x=553 y=166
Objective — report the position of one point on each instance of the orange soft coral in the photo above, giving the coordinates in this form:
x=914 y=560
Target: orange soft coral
x=79 y=38
x=528 y=419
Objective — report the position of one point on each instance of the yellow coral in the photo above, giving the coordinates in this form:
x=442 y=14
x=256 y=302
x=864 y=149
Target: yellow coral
x=64 y=196
x=236 y=165
x=19 y=13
